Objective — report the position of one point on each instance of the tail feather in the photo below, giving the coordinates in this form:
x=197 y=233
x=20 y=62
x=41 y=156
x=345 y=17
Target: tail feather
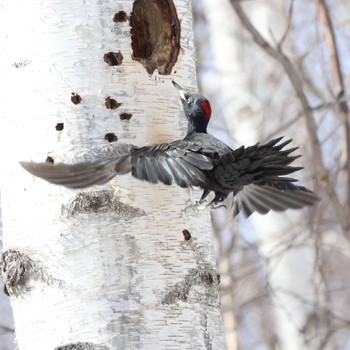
x=274 y=196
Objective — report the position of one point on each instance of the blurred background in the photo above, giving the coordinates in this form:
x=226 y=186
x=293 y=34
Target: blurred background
x=278 y=68
x=281 y=68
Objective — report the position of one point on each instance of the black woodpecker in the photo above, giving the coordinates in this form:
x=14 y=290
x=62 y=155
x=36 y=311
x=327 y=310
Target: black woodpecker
x=255 y=175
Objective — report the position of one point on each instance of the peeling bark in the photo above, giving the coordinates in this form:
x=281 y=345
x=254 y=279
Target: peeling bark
x=155 y=34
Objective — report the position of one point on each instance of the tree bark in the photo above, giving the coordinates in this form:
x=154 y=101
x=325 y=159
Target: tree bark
x=107 y=267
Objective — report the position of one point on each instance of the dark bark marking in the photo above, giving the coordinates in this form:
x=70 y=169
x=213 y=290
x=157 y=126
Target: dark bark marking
x=111 y=103
x=125 y=116
x=120 y=16
x=82 y=346
x=111 y=137
x=18 y=270
x=196 y=277
x=102 y=202
x=49 y=159
x=75 y=98
x=113 y=58
x=21 y=64
x=155 y=34
x=187 y=235
x=59 y=126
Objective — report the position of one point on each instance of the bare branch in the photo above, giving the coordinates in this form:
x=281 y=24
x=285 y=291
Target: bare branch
x=297 y=83
x=289 y=24
x=332 y=45
x=6 y=329
x=331 y=104
x=339 y=87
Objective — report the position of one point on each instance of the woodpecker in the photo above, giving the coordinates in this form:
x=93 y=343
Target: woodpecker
x=255 y=175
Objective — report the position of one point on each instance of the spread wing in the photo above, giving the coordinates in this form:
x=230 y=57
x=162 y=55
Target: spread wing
x=181 y=161
x=167 y=163
x=78 y=175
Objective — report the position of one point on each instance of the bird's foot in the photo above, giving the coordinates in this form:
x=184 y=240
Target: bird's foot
x=214 y=206
x=124 y=193
x=195 y=208
x=203 y=204
x=190 y=210
x=216 y=203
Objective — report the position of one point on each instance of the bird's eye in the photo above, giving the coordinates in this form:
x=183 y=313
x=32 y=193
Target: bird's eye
x=189 y=100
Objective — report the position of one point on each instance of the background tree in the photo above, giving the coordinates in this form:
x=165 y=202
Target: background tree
x=278 y=68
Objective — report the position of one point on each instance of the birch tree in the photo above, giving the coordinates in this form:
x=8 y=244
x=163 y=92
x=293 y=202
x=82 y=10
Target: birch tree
x=6 y=319
x=108 y=267
x=280 y=68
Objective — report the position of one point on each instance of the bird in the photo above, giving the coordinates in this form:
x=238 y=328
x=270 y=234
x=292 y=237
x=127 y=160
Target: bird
x=255 y=175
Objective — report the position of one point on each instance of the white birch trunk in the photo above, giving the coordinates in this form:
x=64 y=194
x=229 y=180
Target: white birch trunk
x=6 y=319
x=114 y=271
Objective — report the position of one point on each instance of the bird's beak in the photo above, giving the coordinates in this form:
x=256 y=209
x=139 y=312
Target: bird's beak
x=184 y=95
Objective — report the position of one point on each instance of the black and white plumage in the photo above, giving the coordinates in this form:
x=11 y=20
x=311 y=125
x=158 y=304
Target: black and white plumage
x=255 y=175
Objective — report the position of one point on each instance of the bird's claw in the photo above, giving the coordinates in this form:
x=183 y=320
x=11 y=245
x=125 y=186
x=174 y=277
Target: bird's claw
x=191 y=209
x=201 y=205
x=214 y=206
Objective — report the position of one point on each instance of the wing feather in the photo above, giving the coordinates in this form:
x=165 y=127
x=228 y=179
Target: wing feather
x=166 y=163
x=268 y=197
x=78 y=175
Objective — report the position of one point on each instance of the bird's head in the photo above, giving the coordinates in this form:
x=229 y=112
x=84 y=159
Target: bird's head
x=197 y=109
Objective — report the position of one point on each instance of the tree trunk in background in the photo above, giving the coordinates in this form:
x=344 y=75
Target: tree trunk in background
x=228 y=87
x=244 y=82
x=107 y=267
x=286 y=240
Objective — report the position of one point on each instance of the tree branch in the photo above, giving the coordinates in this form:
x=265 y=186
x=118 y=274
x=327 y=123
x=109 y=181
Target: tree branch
x=339 y=87
x=297 y=83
